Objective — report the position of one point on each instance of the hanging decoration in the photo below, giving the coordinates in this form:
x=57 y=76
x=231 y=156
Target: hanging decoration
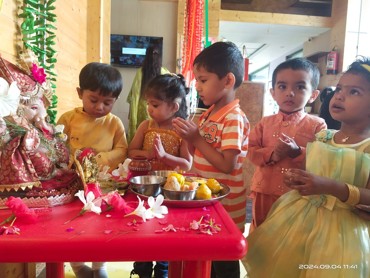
x=192 y=38
x=206 y=25
x=38 y=35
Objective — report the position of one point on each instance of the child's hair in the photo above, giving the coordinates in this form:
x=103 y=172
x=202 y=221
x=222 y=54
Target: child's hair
x=299 y=64
x=170 y=88
x=151 y=66
x=101 y=77
x=221 y=58
x=360 y=66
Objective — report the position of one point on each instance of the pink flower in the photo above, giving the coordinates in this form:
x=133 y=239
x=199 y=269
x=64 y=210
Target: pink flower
x=38 y=74
x=93 y=187
x=87 y=152
x=20 y=210
x=205 y=225
x=9 y=230
x=119 y=204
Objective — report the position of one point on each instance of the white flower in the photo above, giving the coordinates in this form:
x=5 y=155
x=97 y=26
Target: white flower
x=140 y=210
x=155 y=207
x=122 y=169
x=103 y=175
x=90 y=203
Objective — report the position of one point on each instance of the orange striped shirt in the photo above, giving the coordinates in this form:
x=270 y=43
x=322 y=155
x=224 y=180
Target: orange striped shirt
x=227 y=129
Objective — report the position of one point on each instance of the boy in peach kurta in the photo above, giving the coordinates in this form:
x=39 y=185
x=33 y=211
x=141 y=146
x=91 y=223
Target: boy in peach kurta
x=277 y=143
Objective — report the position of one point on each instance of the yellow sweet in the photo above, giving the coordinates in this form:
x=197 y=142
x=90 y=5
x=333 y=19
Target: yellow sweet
x=214 y=185
x=203 y=192
x=180 y=178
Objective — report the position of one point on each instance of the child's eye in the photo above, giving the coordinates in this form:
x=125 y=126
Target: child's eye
x=354 y=92
x=301 y=87
x=281 y=87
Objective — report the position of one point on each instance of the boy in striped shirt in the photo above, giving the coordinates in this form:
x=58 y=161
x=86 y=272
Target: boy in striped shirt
x=220 y=142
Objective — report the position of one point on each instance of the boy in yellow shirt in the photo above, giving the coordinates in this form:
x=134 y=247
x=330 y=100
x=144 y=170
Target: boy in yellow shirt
x=94 y=126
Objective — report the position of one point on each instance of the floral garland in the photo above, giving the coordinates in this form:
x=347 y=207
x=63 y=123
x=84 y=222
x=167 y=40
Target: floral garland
x=38 y=35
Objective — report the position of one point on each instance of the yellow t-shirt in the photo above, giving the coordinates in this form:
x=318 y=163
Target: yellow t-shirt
x=106 y=135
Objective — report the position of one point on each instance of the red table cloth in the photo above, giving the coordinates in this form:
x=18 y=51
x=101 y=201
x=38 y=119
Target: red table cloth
x=93 y=237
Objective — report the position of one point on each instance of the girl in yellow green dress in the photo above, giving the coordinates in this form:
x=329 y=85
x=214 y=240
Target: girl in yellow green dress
x=322 y=227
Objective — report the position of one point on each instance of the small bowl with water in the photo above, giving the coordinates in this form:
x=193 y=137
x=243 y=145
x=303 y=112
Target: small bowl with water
x=148 y=185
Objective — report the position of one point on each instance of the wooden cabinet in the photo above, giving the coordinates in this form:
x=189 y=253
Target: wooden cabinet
x=251 y=99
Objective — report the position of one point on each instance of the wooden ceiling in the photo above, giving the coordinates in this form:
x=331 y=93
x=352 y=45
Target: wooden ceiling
x=299 y=7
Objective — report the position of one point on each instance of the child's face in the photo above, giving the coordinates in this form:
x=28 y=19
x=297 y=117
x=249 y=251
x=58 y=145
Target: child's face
x=293 y=90
x=95 y=104
x=210 y=88
x=161 y=111
x=351 y=101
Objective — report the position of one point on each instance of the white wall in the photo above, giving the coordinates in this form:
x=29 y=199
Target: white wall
x=145 y=18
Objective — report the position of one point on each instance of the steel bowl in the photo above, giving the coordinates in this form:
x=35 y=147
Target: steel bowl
x=179 y=195
x=148 y=185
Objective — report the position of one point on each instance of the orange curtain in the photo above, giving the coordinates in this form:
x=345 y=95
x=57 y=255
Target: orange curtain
x=193 y=32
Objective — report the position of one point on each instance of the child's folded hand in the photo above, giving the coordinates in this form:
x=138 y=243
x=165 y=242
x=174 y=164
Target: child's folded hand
x=188 y=130
x=286 y=146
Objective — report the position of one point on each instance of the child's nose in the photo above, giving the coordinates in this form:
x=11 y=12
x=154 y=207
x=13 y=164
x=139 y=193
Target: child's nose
x=99 y=106
x=290 y=92
x=339 y=94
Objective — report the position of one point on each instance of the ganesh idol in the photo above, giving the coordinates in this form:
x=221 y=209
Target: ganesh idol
x=34 y=157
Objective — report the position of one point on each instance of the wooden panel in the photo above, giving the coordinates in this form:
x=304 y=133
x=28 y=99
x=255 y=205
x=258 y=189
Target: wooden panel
x=214 y=7
x=8 y=30
x=93 y=41
x=275 y=18
x=250 y=95
x=72 y=48
x=13 y=270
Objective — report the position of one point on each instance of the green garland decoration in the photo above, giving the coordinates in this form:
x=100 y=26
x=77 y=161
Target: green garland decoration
x=38 y=35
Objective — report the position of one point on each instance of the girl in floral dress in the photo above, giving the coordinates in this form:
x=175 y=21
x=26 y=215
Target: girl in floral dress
x=156 y=140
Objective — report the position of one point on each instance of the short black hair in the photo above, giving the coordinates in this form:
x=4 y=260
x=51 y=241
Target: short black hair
x=101 y=77
x=299 y=64
x=170 y=88
x=221 y=58
x=357 y=67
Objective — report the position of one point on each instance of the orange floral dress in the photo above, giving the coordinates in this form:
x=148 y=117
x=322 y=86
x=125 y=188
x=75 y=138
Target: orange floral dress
x=171 y=142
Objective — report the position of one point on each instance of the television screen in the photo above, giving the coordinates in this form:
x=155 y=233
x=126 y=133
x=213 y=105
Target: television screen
x=129 y=50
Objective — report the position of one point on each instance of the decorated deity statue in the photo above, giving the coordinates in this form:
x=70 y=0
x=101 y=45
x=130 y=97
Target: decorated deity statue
x=33 y=155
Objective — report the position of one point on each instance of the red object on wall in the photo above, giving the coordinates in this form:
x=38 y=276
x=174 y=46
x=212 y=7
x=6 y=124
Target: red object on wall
x=246 y=69
x=332 y=62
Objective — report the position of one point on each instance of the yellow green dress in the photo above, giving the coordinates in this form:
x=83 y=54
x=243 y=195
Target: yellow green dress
x=138 y=110
x=316 y=236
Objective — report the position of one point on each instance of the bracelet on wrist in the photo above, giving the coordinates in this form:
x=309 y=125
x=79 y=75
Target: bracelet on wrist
x=353 y=195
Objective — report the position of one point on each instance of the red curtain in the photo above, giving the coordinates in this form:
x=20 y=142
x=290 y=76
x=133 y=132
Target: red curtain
x=192 y=38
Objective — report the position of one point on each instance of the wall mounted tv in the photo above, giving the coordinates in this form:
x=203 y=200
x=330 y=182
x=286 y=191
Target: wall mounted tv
x=129 y=50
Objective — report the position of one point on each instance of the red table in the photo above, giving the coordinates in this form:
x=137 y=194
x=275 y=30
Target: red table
x=93 y=237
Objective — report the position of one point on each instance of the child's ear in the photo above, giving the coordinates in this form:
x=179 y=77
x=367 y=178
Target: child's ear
x=176 y=107
x=314 y=95
x=230 y=80
x=272 y=92
x=79 y=91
